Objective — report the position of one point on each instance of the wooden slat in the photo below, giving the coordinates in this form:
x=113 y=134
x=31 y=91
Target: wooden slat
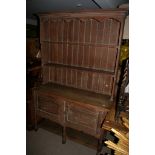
x=84 y=80
x=103 y=56
x=98 y=56
x=76 y=30
x=111 y=59
x=80 y=57
x=75 y=55
x=82 y=31
x=89 y=81
x=94 y=26
x=78 y=79
x=60 y=56
x=69 y=77
x=107 y=31
x=93 y=81
x=73 y=77
x=64 y=80
x=64 y=54
x=69 y=55
x=100 y=31
x=87 y=31
x=82 y=44
x=71 y=31
x=81 y=68
x=101 y=83
x=45 y=71
x=114 y=32
x=86 y=56
x=107 y=84
x=92 y=56
x=45 y=53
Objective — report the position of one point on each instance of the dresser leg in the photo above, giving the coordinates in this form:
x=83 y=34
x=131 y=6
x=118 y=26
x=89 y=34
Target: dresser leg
x=35 y=125
x=100 y=142
x=35 y=112
x=64 y=135
x=35 y=122
x=99 y=146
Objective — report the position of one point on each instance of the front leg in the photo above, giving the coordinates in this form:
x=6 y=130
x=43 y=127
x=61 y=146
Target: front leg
x=100 y=141
x=64 y=135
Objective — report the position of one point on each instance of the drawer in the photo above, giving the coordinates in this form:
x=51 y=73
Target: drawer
x=81 y=117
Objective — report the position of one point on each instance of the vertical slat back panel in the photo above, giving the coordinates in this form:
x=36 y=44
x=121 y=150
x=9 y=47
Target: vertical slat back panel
x=98 y=55
x=82 y=30
x=107 y=32
x=87 y=80
x=80 y=51
x=111 y=59
x=93 y=32
x=80 y=55
x=100 y=31
x=75 y=55
x=66 y=36
x=45 y=52
x=115 y=29
x=46 y=74
x=87 y=31
x=86 y=56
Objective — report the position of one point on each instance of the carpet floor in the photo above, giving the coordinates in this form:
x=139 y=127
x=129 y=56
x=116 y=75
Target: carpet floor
x=44 y=142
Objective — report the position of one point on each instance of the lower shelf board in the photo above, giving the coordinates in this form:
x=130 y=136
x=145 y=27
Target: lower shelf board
x=72 y=134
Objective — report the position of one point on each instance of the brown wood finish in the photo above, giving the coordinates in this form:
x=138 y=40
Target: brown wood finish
x=80 y=53
x=73 y=108
x=82 y=41
x=86 y=79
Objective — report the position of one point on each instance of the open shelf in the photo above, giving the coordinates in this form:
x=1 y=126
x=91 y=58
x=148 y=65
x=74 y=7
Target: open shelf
x=82 y=43
x=81 y=68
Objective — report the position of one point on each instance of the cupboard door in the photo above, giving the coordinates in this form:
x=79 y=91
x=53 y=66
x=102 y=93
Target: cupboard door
x=81 y=118
x=51 y=108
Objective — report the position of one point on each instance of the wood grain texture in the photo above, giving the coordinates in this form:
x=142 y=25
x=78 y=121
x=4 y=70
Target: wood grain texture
x=80 y=52
x=87 y=80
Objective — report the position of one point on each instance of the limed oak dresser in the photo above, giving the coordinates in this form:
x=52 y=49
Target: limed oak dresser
x=80 y=53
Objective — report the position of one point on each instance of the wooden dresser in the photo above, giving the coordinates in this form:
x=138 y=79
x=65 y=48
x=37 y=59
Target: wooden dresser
x=80 y=53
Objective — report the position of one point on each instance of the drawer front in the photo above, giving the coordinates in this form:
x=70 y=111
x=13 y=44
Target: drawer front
x=81 y=118
x=50 y=107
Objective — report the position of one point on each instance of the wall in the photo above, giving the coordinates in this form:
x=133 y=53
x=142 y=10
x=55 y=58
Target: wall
x=126 y=29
